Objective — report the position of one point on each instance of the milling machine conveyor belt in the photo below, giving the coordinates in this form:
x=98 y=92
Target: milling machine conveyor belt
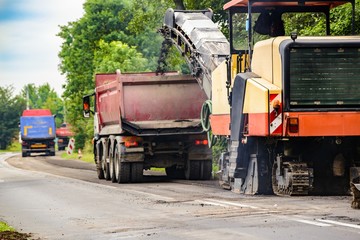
x=199 y=40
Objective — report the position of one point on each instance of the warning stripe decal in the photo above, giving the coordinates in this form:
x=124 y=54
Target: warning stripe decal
x=274 y=116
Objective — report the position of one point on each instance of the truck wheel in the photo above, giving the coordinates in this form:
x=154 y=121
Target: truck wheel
x=206 y=169
x=175 y=173
x=124 y=172
x=192 y=170
x=105 y=167
x=122 y=169
x=112 y=168
x=99 y=157
x=24 y=154
x=137 y=172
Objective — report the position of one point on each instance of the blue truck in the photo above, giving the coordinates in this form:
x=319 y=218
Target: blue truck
x=37 y=127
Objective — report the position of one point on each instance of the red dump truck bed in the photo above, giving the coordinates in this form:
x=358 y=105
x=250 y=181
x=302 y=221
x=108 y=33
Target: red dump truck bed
x=143 y=120
x=139 y=102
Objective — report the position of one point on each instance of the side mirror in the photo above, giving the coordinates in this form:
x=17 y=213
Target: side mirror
x=86 y=106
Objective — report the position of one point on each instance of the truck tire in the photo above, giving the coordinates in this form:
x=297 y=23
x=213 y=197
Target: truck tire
x=175 y=173
x=112 y=167
x=24 y=154
x=124 y=172
x=206 y=169
x=137 y=172
x=122 y=169
x=105 y=166
x=192 y=170
x=99 y=157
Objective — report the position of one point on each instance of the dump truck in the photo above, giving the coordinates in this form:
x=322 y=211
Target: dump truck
x=37 y=128
x=63 y=134
x=287 y=106
x=145 y=120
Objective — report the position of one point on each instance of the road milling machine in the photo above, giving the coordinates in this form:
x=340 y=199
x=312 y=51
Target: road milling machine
x=288 y=106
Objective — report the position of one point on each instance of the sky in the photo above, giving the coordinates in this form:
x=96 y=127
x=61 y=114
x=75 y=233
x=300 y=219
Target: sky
x=29 y=46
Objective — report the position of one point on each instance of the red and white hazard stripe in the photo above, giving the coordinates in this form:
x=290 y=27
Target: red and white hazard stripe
x=275 y=115
x=71 y=146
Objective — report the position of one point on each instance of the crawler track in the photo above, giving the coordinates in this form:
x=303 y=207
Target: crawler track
x=295 y=179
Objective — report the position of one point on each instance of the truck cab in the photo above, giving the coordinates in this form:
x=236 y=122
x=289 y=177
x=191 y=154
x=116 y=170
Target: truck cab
x=37 y=127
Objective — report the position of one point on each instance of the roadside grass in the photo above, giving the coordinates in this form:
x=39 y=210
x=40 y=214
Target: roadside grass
x=14 y=147
x=85 y=156
x=162 y=170
x=9 y=233
x=5 y=227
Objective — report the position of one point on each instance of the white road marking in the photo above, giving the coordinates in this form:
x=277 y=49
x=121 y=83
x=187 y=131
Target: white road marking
x=339 y=223
x=227 y=204
x=313 y=223
x=151 y=195
x=211 y=203
x=224 y=203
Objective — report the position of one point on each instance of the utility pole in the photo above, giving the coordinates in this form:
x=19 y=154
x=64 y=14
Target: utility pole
x=27 y=98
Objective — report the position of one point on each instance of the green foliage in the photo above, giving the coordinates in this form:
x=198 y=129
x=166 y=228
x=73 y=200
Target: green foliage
x=305 y=24
x=144 y=11
x=341 y=19
x=10 y=111
x=313 y=24
x=220 y=15
x=5 y=227
x=14 y=147
x=44 y=97
x=101 y=21
x=219 y=147
x=118 y=55
x=83 y=128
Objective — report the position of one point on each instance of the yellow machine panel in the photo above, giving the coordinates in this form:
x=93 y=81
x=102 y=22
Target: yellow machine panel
x=256 y=98
x=256 y=106
x=266 y=61
x=220 y=104
x=262 y=63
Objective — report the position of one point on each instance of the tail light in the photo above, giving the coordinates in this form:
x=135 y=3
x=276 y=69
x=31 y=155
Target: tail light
x=131 y=144
x=293 y=125
x=131 y=141
x=201 y=142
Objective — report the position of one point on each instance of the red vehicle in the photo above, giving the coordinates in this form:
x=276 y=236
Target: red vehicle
x=143 y=120
x=63 y=134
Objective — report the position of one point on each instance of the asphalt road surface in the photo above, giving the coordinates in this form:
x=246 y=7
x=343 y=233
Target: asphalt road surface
x=63 y=199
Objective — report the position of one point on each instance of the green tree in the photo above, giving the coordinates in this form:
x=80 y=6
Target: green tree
x=95 y=43
x=10 y=111
x=118 y=55
x=44 y=97
x=341 y=19
x=313 y=24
